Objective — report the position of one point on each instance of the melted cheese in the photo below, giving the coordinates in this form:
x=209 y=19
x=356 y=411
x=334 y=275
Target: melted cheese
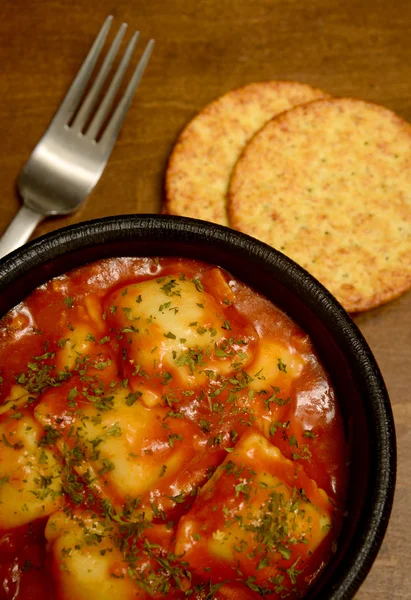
x=117 y=444
x=264 y=510
x=87 y=562
x=30 y=484
x=174 y=331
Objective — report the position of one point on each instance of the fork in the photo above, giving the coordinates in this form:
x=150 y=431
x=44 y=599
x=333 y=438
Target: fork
x=70 y=158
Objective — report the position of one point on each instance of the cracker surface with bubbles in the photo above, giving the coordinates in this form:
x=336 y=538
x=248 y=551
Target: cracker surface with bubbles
x=205 y=153
x=329 y=184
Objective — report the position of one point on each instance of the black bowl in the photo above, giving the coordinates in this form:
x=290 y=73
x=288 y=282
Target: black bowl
x=344 y=352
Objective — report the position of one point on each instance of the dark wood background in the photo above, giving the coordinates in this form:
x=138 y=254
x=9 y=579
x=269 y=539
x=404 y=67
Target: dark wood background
x=204 y=48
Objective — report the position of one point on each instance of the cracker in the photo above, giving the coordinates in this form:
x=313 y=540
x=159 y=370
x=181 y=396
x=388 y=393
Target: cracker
x=329 y=184
x=201 y=163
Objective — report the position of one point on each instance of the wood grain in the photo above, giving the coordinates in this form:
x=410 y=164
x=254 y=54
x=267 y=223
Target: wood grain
x=203 y=49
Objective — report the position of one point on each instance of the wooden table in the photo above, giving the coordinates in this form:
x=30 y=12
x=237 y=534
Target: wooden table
x=204 y=48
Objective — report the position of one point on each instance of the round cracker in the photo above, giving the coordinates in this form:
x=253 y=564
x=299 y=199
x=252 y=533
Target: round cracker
x=329 y=184
x=200 y=166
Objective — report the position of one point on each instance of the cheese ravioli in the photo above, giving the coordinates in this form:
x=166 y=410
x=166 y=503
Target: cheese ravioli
x=94 y=557
x=118 y=446
x=268 y=517
x=87 y=562
x=174 y=330
x=30 y=483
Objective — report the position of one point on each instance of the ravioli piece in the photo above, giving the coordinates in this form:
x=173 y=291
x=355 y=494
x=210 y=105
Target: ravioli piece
x=83 y=338
x=119 y=447
x=174 y=329
x=78 y=342
x=104 y=558
x=83 y=349
x=270 y=377
x=258 y=519
x=86 y=560
x=274 y=365
x=30 y=483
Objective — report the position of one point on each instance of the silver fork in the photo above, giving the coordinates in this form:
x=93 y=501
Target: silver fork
x=69 y=160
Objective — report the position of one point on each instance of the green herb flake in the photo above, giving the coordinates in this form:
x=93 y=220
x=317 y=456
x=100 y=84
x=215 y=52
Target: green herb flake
x=293 y=441
x=132 y=398
x=172 y=437
x=199 y=286
x=170 y=336
x=205 y=425
x=309 y=434
x=69 y=301
x=292 y=572
x=281 y=366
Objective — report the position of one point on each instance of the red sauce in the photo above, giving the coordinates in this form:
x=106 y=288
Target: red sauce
x=199 y=405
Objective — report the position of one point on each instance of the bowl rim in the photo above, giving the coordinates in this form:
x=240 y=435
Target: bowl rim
x=103 y=232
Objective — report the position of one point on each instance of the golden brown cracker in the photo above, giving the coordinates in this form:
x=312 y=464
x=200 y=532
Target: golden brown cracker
x=202 y=160
x=329 y=184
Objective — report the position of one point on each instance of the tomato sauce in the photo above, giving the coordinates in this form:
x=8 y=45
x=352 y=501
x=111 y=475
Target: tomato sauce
x=171 y=428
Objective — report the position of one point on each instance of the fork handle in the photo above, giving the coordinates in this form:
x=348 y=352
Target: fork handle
x=19 y=230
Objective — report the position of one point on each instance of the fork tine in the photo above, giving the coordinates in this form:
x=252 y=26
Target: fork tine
x=91 y=99
x=108 y=99
x=73 y=96
x=110 y=134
